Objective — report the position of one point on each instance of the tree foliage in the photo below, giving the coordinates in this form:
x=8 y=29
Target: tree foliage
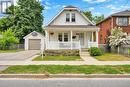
x=23 y=18
x=89 y=15
x=7 y=39
x=5 y=23
x=98 y=19
x=118 y=38
x=27 y=17
x=95 y=19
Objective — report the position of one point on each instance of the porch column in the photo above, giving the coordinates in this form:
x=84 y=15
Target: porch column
x=46 y=38
x=92 y=37
x=97 y=37
x=71 y=40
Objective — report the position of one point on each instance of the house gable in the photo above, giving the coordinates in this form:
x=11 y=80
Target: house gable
x=60 y=18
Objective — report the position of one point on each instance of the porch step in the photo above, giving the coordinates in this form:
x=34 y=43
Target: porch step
x=84 y=54
x=84 y=50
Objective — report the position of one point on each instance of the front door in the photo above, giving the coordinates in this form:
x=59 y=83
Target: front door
x=81 y=38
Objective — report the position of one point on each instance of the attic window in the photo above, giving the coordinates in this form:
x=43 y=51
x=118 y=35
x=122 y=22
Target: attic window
x=73 y=17
x=68 y=17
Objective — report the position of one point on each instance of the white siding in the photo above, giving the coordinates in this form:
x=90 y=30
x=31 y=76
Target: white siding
x=61 y=19
x=26 y=42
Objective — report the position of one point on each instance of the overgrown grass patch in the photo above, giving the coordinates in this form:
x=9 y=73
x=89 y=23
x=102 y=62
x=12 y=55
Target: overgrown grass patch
x=112 y=57
x=11 y=51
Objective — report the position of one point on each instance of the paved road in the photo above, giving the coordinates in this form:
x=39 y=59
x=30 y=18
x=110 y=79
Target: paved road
x=91 y=82
x=18 y=56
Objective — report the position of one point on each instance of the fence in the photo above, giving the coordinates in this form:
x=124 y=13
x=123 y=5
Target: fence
x=14 y=47
x=124 y=50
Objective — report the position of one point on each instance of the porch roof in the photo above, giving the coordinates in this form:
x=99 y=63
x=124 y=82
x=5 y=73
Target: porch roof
x=72 y=27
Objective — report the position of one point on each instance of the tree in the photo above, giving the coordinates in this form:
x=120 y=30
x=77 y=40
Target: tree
x=98 y=19
x=95 y=19
x=27 y=18
x=5 y=23
x=23 y=18
x=8 y=39
x=118 y=38
x=88 y=14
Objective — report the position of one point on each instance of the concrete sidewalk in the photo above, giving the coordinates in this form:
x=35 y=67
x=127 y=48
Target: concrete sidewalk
x=11 y=63
x=18 y=56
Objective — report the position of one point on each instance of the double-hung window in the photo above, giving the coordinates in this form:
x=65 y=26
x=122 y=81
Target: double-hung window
x=73 y=17
x=66 y=37
x=63 y=37
x=68 y=17
x=60 y=37
x=122 y=21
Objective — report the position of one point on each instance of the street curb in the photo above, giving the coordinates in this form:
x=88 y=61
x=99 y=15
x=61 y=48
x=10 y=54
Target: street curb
x=23 y=76
x=42 y=76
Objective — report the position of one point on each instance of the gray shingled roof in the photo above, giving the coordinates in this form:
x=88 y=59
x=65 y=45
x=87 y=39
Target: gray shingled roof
x=122 y=13
x=70 y=6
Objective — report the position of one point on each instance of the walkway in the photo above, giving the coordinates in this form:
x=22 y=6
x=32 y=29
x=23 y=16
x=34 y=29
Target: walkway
x=11 y=63
x=18 y=56
x=25 y=57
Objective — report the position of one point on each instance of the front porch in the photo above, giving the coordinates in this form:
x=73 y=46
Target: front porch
x=71 y=39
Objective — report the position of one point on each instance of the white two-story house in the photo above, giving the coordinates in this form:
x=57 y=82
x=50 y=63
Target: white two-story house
x=69 y=29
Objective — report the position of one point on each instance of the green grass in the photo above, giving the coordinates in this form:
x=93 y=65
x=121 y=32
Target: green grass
x=65 y=69
x=10 y=51
x=112 y=57
x=57 y=58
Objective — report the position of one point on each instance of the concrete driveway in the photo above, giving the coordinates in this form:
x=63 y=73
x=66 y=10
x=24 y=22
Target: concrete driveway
x=18 y=56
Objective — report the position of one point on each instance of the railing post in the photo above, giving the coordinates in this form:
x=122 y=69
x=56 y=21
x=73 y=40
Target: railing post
x=79 y=46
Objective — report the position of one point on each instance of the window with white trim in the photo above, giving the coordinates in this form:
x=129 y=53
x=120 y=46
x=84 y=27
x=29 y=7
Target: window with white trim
x=66 y=37
x=60 y=37
x=122 y=21
x=67 y=17
x=73 y=17
x=63 y=37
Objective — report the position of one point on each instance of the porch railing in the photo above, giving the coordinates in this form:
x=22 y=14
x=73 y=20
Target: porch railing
x=92 y=44
x=63 y=45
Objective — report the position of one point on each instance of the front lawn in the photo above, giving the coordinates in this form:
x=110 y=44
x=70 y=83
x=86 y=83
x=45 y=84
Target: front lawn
x=57 y=58
x=112 y=57
x=10 y=51
x=65 y=69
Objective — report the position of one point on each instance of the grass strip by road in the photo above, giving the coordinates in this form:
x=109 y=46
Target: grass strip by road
x=112 y=57
x=10 y=51
x=57 y=58
x=66 y=69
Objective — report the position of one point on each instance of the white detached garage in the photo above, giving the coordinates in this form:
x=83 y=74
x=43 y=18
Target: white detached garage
x=34 y=41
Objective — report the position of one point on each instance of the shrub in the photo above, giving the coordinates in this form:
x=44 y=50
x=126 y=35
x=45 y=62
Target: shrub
x=94 y=51
x=8 y=39
x=62 y=52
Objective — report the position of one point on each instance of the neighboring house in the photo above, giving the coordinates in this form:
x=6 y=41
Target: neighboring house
x=69 y=29
x=4 y=4
x=120 y=19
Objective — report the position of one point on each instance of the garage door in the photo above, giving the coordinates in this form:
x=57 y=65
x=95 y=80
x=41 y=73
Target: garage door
x=34 y=44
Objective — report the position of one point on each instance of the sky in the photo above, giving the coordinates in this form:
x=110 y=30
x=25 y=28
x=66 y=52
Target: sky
x=97 y=7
